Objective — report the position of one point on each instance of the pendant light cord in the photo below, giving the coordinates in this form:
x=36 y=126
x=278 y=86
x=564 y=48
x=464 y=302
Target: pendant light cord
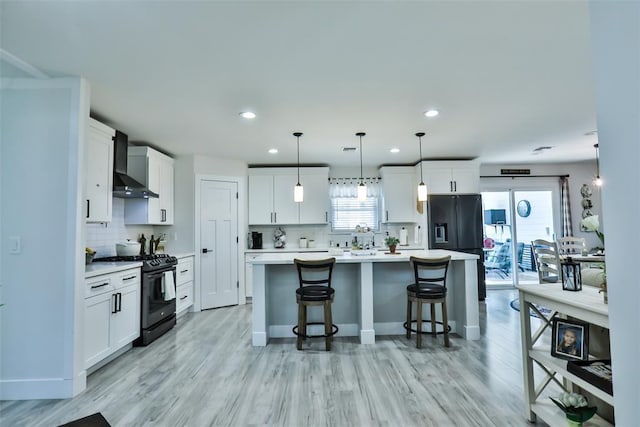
x=298 y=143
x=360 y=159
x=421 y=179
x=597 y=146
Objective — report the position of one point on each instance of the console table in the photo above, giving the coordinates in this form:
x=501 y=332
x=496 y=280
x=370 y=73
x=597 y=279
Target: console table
x=586 y=305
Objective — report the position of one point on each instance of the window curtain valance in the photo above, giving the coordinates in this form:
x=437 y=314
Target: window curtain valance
x=348 y=187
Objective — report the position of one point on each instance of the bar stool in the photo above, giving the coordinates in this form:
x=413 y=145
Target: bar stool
x=430 y=287
x=315 y=289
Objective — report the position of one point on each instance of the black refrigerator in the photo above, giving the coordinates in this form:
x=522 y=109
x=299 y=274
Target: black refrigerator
x=455 y=224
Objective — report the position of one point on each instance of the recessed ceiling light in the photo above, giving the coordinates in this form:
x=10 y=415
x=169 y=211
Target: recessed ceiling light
x=273 y=150
x=394 y=150
x=431 y=113
x=248 y=115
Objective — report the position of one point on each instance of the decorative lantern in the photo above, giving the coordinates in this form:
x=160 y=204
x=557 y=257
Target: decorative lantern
x=571 y=276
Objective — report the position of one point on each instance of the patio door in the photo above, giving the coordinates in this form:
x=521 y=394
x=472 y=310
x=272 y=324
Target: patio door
x=514 y=215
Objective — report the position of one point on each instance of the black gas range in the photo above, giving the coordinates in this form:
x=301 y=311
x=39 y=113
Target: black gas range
x=157 y=293
x=149 y=262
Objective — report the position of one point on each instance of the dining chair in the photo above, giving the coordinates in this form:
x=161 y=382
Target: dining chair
x=547 y=260
x=571 y=245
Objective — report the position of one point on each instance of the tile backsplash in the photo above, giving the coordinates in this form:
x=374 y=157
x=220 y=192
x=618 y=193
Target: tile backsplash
x=103 y=237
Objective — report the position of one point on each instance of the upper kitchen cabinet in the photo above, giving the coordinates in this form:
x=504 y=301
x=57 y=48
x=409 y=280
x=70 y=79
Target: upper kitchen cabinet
x=399 y=194
x=451 y=177
x=315 y=207
x=155 y=170
x=98 y=172
x=271 y=196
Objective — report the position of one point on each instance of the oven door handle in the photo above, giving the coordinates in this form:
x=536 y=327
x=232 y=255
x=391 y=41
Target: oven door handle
x=158 y=274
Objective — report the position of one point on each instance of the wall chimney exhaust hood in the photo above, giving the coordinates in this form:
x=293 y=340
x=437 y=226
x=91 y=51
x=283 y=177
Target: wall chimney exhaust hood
x=123 y=185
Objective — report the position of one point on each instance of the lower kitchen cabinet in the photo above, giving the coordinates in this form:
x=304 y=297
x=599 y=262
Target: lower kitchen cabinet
x=112 y=314
x=184 y=284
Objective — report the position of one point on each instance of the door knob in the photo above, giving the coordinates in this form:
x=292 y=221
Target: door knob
x=205 y=250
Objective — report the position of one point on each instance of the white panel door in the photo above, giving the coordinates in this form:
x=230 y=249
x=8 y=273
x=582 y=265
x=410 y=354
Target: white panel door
x=154 y=184
x=218 y=238
x=466 y=180
x=438 y=180
x=400 y=193
x=99 y=167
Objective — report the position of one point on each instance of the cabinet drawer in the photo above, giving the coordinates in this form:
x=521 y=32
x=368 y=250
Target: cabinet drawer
x=99 y=285
x=127 y=278
x=184 y=270
x=184 y=296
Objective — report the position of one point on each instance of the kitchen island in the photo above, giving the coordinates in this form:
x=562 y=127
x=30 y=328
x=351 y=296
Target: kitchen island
x=370 y=295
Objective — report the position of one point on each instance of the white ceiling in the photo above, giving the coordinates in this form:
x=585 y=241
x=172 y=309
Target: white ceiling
x=507 y=76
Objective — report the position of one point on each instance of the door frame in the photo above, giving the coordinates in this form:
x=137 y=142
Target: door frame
x=513 y=184
x=241 y=182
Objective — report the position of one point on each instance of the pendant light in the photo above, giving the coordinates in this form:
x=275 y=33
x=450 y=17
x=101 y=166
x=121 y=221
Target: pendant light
x=598 y=180
x=362 y=188
x=422 y=187
x=298 y=190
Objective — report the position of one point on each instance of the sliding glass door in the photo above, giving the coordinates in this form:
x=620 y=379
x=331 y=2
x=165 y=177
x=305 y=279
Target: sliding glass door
x=515 y=213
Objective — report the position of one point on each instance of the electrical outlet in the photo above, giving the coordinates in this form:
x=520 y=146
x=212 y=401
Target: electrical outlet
x=175 y=235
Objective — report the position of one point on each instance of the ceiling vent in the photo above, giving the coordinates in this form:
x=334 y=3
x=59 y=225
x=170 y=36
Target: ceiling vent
x=349 y=149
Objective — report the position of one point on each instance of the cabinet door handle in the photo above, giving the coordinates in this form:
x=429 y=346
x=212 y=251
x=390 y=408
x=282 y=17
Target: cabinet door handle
x=119 y=301
x=129 y=278
x=88 y=207
x=326 y=216
x=387 y=216
x=184 y=297
x=114 y=298
x=275 y=217
x=183 y=271
x=100 y=285
x=455 y=186
x=163 y=215
x=271 y=217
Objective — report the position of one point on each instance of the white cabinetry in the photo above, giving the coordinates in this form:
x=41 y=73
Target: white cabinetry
x=399 y=194
x=184 y=284
x=586 y=305
x=315 y=207
x=98 y=172
x=112 y=314
x=448 y=177
x=271 y=196
x=155 y=170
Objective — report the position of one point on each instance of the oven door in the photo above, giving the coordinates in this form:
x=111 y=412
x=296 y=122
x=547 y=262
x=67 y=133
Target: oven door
x=154 y=306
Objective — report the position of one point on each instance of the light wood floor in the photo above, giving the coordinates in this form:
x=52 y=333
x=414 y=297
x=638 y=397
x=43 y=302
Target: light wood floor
x=205 y=372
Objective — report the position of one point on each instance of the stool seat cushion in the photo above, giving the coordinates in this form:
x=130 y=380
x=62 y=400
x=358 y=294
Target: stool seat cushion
x=315 y=293
x=427 y=290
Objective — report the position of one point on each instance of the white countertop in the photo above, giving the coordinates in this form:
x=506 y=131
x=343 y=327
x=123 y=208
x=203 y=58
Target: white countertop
x=294 y=249
x=380 y=256
x=183 y=254
x=98 y=268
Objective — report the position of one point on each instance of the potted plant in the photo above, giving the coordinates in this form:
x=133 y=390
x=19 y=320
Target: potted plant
x=391 y=242
x=575 y=407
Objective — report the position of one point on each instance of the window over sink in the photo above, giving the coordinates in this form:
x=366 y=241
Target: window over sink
x=347 y=211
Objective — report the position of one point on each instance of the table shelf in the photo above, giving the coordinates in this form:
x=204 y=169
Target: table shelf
x=586 y=305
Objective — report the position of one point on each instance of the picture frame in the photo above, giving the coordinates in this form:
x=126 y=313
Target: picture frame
x=569 y=339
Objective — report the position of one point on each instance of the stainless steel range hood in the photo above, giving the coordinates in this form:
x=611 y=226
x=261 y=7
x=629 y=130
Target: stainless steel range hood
x=123 y=185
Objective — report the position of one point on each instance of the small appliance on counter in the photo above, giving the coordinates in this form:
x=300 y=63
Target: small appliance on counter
x=255 y=242
x=128 y=248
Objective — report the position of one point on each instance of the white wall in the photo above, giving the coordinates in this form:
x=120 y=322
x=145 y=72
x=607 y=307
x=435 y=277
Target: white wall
x=579 y=173
x=43 y=124
x=615 y=34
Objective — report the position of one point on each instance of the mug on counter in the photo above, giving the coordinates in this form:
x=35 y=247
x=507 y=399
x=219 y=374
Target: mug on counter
x=303 y=242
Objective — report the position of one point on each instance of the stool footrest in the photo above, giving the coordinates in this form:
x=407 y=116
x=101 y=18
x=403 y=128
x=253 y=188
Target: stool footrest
x=334 y=330
x=428 y=322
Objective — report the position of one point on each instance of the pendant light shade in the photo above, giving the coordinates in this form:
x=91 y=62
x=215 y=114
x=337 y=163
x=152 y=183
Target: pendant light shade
x=598 y=180
x=298 y=190
x=362 y=188
x=422 y=187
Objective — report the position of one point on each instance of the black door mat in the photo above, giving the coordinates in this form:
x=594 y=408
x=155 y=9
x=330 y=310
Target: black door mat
x=95 y=420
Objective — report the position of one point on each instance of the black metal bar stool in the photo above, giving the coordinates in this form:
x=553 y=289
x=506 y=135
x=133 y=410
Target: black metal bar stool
x=315 y=289
x=430 y=287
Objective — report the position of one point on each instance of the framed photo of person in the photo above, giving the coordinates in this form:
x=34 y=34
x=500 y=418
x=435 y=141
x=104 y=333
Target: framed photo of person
x=570 y=339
